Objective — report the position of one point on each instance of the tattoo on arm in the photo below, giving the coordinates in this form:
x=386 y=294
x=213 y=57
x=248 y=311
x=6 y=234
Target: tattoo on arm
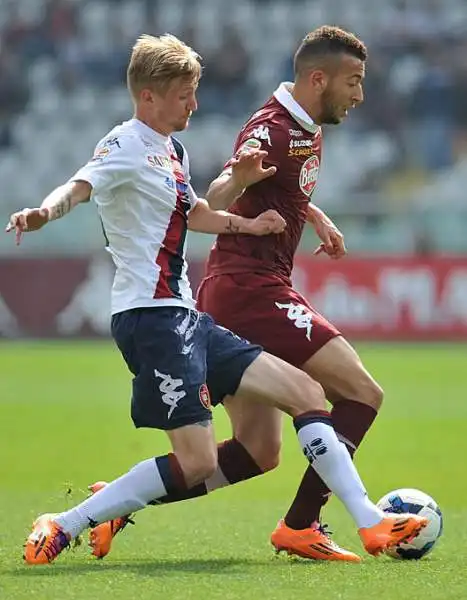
x=231 y=228
x=62 y=207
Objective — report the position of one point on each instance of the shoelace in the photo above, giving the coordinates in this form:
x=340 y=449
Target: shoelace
x=324 y=529
x=55 y=545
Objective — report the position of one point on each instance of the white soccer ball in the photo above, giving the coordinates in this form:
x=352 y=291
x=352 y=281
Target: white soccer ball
x=414 y=501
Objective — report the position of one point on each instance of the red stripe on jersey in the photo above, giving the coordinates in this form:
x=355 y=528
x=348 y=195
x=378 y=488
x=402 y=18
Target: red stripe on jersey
x=170 y=256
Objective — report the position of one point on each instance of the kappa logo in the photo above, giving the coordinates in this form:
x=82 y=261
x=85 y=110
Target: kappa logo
x=314 y=449
x=300 y=315
x=309 y=175
x=169 y=392
x=112 y=142
x=262 y=133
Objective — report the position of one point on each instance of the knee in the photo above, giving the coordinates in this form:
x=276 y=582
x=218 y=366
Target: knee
x=264 y=448
x=268 y=455
x=198 y=467
x=371 y=393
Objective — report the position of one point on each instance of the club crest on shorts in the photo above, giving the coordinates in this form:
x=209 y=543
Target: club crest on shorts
x=309 y=175
x=204 y=396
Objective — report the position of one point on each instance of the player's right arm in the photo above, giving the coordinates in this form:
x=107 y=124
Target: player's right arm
x=255 y=159
x=244 y=169
x=57 y=204
x=114 y=163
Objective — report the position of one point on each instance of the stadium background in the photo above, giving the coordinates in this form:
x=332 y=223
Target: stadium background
x=394 y=178
x=393 y=175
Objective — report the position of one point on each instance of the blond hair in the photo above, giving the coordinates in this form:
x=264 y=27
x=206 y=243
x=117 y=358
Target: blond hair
x=156 y=61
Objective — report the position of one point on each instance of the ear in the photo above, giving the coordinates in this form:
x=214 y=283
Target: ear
x=318 y=80
x=146 y=95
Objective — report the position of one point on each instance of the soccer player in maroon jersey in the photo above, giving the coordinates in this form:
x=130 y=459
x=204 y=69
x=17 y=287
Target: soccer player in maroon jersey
x=248 y=288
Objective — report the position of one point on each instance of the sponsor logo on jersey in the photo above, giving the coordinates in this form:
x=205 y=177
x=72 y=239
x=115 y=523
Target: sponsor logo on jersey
x=309 y=175
x=204 y=396
x=295 y=132
x=158 y=160
x=262 y=133
x=300 y=148
x=300 y=143
x=300 y=152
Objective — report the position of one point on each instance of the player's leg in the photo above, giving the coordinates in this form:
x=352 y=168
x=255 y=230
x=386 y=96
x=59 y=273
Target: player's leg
x=356 y=398
x=150 y=342
x=275 y=383
x=258 y=428
x=277 y=317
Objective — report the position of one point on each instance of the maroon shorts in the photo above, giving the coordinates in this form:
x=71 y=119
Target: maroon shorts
x=266 y=311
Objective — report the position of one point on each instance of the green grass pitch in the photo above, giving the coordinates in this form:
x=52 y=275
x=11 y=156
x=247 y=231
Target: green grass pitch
x=64 y=422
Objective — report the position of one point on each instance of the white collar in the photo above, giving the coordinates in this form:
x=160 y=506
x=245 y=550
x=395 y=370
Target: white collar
x=284 y=96
x=153 y=135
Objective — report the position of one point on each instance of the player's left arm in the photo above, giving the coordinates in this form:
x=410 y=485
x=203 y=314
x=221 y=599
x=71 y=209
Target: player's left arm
x=332 y=239
x=204 y=219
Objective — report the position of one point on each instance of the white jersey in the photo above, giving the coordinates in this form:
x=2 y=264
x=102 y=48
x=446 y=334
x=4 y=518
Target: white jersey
x=140 y=183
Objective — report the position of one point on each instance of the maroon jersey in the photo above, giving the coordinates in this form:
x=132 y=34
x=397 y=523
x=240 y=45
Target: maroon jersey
x=296 y=152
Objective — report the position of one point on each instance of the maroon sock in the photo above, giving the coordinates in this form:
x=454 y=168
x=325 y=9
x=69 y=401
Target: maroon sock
x=351 y=420
x=235 y=463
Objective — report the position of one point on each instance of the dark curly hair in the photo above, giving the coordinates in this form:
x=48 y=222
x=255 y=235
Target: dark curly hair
x=327 y=41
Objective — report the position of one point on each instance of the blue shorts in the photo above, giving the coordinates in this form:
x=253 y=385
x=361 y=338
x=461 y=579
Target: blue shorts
x=182 y=364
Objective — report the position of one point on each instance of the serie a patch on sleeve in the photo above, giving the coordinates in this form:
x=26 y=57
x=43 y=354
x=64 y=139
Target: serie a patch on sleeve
x=252 y=143
x=105 y=148
x=101 y=153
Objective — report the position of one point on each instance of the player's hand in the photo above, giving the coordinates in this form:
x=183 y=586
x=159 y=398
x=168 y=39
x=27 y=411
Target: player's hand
x=247 y=167
x=28 y=219
x=269 y=221
x=332 y=240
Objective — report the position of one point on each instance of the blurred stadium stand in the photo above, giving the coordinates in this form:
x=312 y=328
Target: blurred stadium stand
x=394 y=175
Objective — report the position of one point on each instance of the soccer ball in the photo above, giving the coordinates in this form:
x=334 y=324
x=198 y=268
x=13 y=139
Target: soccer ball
x=416 y=502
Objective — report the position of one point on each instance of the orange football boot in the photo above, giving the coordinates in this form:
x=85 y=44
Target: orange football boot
x=391 y=530
x=313 y=542
x=101 y=536
x=45 y=542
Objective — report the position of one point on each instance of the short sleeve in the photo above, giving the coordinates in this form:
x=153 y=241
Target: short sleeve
x=114 y=163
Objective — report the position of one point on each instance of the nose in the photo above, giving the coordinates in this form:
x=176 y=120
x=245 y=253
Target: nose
x=193 y=103
x=358 y=97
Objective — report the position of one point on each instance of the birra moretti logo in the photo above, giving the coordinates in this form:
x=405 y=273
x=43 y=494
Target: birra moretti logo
x=309 y=175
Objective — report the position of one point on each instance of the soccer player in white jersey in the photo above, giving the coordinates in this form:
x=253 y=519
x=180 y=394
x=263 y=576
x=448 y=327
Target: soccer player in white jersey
x=181 y=361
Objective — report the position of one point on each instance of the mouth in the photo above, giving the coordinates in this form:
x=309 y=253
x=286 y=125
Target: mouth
x=346 y=109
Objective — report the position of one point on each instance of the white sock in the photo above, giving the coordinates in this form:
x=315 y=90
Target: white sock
x=129 y=493
x=332 y=462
